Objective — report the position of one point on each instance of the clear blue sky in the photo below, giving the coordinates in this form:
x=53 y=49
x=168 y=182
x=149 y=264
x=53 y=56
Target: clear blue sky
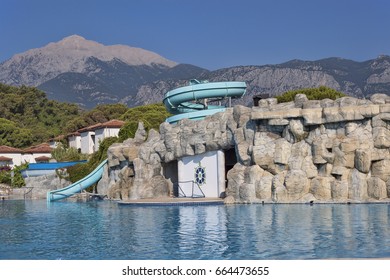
x=207 y=33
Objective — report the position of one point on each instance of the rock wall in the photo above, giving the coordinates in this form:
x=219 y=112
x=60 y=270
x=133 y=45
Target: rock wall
x=301 y=151
x=37 y=187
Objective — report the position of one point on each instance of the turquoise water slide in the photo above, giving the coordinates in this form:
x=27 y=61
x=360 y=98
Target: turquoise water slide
x=191 y=102
x=78 y=186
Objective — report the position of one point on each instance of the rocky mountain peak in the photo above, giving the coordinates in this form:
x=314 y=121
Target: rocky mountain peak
x=74 y=39
x=75 y=42
x=70 y=54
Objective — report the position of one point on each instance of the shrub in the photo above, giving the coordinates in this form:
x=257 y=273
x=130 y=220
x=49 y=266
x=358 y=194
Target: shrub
x=6 y=175
x=61 y=153
x=79 y=171
x=18 y=180
x=319 y=93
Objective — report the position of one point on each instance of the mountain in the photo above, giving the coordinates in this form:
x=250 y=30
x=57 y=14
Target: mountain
x=71 y=54
x=358 y=79
x=88 y=73
x=110 y=82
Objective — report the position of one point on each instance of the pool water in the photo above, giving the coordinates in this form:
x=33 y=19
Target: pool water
x=105 y=230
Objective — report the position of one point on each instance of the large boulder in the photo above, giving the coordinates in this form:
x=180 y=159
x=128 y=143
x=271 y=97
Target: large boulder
x=363 y=160
x=264 y=186
x=357 y=185
x=381 y=169
x=156 y=187
x=235 y=177
x=321 y=188
x=381 y=137
x=339 y=190
x=380 y=98
x=297 y=184
x=376 y=188
x=247 y=192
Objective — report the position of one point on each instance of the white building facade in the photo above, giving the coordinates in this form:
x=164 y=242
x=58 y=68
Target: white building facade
x=105 y=130
x=14 y=157
x=37 y=154
x=10 y=156
x=74 y=140
x=87 y=143
x=88 y=139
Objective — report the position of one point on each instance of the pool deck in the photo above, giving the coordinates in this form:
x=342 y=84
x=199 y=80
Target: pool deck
x=172 y=201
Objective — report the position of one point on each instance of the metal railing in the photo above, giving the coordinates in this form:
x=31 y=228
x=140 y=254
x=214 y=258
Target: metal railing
x=193 y=195
x=28 y=193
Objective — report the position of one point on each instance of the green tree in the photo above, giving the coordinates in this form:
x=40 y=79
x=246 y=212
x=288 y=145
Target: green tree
x=100 y=114
x=151 y=115
x=36 y=117
x=12 y=135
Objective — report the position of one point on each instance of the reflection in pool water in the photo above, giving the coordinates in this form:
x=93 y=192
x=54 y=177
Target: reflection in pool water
x=104 y=230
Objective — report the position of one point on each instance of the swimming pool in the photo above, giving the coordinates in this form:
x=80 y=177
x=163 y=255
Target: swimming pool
x=102 y=230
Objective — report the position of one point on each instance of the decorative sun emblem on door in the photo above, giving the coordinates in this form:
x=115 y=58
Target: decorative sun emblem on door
x=200 y=175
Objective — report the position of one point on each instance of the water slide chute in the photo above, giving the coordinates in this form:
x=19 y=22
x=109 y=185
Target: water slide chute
x=78 y=186
x=191 y=101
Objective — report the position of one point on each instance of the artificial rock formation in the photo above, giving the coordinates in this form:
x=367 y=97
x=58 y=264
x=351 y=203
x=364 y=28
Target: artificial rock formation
x=37 y=187
x=301 y=151
x=135 y=170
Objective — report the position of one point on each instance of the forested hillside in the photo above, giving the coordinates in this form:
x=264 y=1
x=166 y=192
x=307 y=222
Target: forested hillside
x=100 y=114
x=27 y=117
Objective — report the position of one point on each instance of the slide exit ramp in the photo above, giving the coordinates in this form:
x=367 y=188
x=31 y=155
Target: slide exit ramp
x=191 y=101
x=78 y=186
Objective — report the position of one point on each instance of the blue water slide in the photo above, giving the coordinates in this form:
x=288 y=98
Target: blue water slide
x=191 y=101
x=78 y=186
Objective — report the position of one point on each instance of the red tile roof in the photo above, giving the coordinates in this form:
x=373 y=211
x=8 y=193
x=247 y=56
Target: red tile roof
x=2 y=158
x=9 y=150
x=42 y=148
x=112 y=124
x=73 y=134
x=90 y=128
x=109 y=124
x=42 y=158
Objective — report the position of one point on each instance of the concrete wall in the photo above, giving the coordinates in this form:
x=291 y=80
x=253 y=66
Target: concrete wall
x=102 y=133
x=210 y=165
x=74 y=141
x=87 y=142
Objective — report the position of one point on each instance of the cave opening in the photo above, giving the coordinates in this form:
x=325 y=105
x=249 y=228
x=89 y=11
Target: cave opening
x=170 y=172
x=230 y=161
